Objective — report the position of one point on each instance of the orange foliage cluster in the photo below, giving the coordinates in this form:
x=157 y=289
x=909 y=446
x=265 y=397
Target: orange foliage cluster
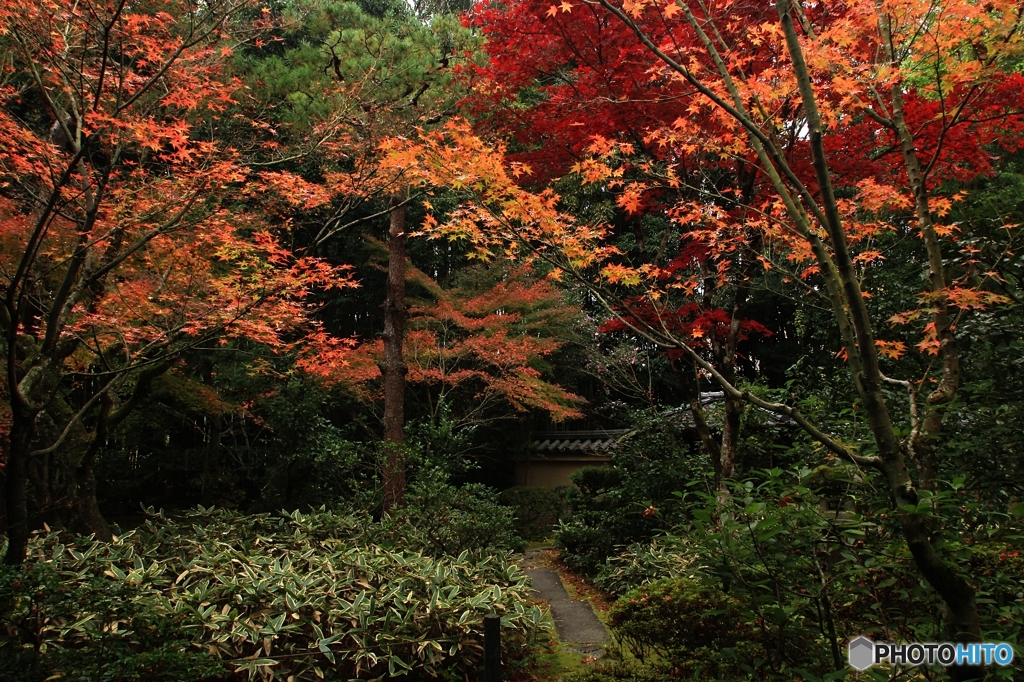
x=487 y=344
x=121 y=239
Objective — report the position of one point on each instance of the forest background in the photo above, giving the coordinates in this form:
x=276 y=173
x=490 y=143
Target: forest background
x=342 y=259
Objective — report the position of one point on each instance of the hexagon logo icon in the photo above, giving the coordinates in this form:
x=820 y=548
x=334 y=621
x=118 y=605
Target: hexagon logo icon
x=861 y=653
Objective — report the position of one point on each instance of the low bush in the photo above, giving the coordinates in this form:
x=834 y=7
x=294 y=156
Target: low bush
x=643 y=563
x=808 y=578
x=695 y=629
x=1000 y=568
x=97 y=627
x=442 y=519
x=220 y=595
x=811 y=570
x=536 y=510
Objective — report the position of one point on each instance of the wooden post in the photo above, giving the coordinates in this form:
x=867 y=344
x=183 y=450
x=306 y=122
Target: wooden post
x=492 y=648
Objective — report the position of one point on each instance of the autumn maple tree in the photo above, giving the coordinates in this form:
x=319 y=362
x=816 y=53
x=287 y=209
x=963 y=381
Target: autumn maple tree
x=120 y=251
x=566 y=87
x=482 y=344
x=364 y=73
x=845 y=122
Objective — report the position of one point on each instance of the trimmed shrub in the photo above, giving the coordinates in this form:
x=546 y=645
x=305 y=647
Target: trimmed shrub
x=695 y=629
x=441 y=519
x=583 y=547
x=536 y=510
x=677 y=613
x=634 y=500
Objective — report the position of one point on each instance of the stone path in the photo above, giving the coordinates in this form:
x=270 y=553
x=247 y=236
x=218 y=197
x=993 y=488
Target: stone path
x=579 y=629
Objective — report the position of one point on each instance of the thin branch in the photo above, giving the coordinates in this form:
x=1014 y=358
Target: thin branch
x=105 y=52
x=119 y=378
x=322 y=237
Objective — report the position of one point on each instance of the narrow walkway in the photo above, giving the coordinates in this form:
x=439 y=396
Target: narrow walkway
x=579 y=629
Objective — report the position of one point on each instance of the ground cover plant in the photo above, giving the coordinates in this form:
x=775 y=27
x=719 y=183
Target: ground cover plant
x=214 y=594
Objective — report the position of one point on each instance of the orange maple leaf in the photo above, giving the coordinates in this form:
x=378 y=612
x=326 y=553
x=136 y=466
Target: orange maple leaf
x=629 y=200
x=868 y=256
x=890 y=349
x=942 y=206
x=930 y=344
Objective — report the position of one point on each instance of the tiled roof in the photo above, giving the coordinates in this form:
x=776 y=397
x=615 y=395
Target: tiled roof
x=604 y=441
x=580 y=442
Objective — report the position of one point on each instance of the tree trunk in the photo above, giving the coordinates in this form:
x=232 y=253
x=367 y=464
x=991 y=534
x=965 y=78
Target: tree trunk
x=687 y=377
x=923 y=444
x=3 y=497
x=210 y=457
x=730 y=438
x=16 y=493
x=394 y=362
x=86 y=517
x=727 y=359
